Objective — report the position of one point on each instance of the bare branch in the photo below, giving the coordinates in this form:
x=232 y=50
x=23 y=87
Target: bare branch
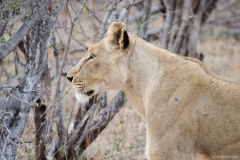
x=178 y=40
x=144 y=26
x=154 y=9
x=153 y=32
x=177 y=18
x=7 y=47
x=225 y=6
x=19 y=124
x=224 y=21
x=195 y=29
x=58 y=105
x=125 y=11
x=88 y=130
x=70 y=117
x=40 y=124
x=93 y=14
x=209 y=6
x=31 y=77
x=110 y=9
x=67 y=47
x=168 y=21
x=233 y=30
x=3 y=25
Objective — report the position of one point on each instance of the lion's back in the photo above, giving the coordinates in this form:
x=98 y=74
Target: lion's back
x=218 y=114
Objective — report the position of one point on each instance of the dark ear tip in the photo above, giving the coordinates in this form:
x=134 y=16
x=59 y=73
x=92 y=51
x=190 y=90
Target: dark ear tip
x=126 y=40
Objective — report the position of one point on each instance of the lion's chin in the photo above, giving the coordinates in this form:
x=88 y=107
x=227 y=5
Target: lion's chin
x=82 y=98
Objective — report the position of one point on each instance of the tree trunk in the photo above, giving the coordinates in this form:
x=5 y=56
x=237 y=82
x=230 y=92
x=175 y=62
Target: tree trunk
x=26 y=92
x=182 y=25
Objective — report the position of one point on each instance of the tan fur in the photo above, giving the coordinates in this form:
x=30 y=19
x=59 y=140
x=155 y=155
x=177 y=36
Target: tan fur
x=189 y=110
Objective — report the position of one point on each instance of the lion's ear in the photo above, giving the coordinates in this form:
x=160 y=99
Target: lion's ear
x=117 y=36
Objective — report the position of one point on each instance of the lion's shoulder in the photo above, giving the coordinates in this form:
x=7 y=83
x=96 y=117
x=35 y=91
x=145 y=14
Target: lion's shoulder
x=204 y=67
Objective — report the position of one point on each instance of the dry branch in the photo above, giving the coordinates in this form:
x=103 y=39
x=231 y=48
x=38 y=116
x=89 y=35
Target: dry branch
x=3 y=25
x=177 y=17
x=6 y=14
x=29 y=22
x=207 y=8
x=39 y=120
x=182 y=25
x=125 y=11
x=57 y=107
x=106 y=20
x=225 y=21
x=16 y=125
x=144 y=26
x=58 y=104
x=225 y=6
x=154 y=32
x=170 y=5
x=154 y=10
x=182 y=30
x=91 y=126
x=39 y=38
x=195 y=30
x=88 y=125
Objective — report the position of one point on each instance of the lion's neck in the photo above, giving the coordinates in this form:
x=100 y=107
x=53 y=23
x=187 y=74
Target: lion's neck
x=144 y=73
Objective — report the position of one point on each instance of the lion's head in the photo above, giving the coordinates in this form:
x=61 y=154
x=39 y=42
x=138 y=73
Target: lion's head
x=99 y=70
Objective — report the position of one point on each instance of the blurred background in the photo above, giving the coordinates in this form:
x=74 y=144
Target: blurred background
x=41 y=40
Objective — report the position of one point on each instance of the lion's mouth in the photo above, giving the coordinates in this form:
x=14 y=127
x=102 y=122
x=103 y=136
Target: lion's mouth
x=89 y=93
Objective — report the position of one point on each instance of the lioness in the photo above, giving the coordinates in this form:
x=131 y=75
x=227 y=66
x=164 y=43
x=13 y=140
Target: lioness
x=189 y=110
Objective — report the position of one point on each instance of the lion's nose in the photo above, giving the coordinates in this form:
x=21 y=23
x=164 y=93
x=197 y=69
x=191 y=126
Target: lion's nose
x=70 y=78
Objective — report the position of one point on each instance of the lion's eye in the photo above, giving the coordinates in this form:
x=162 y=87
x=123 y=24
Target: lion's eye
x=90 y=58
